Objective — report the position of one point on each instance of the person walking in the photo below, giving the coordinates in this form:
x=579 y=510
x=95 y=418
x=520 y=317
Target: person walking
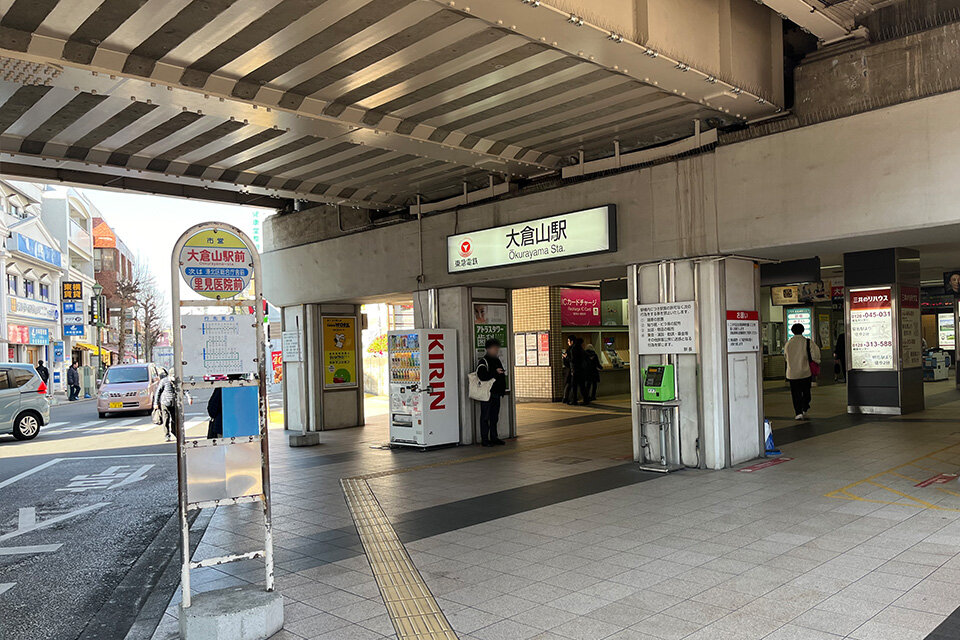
x=840 y=355
x=803 y=360
x=568 y=389
x=215 y=411
x=43 y=372
x=73 y=381
x=490 y=368
x=165 y=399
x=592 y=369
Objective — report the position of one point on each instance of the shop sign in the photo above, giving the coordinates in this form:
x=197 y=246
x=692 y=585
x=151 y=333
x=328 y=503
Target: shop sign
x=216 y=263
x=946 y=334
x=580 y=307
x=33 y=308
x=800 y=315
x=489 y=321
x=666 y=328
x=20 y=334
x=564 y=236
x=71 y=290
x=36 y=250
x=743 y=331
x=339 y=352
x=782 y=296
x=911 y=329
x=58 y=351
x=871 y=329
x=73 y=330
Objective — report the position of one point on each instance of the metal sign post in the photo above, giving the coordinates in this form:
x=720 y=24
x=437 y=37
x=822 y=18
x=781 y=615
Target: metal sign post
x=218 y=261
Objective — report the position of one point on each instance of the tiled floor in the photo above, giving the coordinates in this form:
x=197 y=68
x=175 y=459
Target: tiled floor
x=555 y=536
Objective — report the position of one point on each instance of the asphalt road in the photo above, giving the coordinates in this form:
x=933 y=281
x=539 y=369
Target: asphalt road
x=81 y=507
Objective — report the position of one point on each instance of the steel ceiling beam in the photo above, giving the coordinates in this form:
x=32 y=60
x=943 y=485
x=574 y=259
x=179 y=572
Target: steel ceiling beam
x=105 y=75
x=577 y=37
x=809 y=16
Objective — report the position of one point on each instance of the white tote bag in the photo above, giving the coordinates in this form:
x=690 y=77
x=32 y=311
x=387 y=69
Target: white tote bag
x=479 y=389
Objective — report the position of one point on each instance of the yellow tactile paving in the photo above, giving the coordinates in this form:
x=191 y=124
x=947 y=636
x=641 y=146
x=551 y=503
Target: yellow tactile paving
x=412 y=608
x=897 y=485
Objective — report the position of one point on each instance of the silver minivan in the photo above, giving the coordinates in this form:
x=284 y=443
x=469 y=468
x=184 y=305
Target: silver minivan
x=24 y=403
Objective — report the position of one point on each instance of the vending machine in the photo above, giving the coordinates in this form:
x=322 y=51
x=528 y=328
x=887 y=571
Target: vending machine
x=424 y=388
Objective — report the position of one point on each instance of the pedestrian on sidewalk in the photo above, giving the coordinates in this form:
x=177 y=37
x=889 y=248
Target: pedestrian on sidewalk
x=73 y=381
x=166 y=400
x=592 y=369
x=803 y=363
x=840 y=356
x=43 y=372
x=490 y=368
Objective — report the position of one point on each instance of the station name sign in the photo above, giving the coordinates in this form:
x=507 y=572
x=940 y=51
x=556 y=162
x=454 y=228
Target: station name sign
x=563 y=236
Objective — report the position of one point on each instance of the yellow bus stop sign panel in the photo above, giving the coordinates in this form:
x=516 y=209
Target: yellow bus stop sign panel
x=216 y=263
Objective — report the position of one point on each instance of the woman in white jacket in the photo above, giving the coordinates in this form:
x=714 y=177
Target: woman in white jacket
x=799 y=353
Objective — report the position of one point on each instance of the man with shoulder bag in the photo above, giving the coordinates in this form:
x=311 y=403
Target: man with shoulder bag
x=490 y=369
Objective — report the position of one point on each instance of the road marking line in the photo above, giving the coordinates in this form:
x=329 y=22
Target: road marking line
x=136 y=476
x=37 y=548
x=54 y=520
x=27 y=517
x=29 y=472
x=6 y=586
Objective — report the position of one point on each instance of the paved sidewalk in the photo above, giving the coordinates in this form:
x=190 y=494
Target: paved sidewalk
x=556 y=536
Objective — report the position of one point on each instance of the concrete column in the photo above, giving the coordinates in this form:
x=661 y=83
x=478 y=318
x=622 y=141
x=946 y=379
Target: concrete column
x=297 y=400
x=453 y=308
x=719 y=388
x=877 y=382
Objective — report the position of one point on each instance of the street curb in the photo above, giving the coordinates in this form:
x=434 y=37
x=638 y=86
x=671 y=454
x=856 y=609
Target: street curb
x=138 y=602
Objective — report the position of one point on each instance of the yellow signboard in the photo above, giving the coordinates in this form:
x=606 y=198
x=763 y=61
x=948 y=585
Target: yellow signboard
x=216 y=263
x=339 y=352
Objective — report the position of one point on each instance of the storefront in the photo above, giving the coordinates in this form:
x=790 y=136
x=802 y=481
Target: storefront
x=28 y=344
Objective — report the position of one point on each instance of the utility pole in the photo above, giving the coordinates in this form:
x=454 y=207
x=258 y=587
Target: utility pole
x=96 y=310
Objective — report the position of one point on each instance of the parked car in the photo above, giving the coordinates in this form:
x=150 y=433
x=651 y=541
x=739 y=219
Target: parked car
x=127 y=388
x=24 y=403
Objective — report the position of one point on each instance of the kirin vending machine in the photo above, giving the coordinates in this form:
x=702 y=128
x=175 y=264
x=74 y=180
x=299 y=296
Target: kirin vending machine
x=424 y=388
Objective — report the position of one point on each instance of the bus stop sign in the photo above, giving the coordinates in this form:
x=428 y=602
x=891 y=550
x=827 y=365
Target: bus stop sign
x=216 y=263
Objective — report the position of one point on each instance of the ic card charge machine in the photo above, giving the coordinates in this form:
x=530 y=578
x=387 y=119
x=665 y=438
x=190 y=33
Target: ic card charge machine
x=659 y=383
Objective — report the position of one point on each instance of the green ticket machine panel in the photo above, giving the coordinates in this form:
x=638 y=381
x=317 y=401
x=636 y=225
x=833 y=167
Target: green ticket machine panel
x=659 y=384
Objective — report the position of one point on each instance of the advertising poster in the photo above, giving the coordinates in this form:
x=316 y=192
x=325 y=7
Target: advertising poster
x=823 y=326
x=580 y=307
x=543 y=346
x=667 y=328
x=743 y=331
x=946 y=333
x=783 y=296
x=489 y=321
x=276 y=359
x=339 y=352
x=800 y=315
x=871 y=329
x=911 y=329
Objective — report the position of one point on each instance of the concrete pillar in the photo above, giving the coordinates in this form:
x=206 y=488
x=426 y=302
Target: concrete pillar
x=453 y=308
x=884 y=343
x=718 y=386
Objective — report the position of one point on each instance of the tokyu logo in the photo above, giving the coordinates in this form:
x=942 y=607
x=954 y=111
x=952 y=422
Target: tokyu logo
x=466 y=248
x=435 y=346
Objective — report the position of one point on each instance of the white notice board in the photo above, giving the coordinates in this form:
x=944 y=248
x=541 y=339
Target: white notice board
x=218 y=345
x=667 y=328
x=290 y=341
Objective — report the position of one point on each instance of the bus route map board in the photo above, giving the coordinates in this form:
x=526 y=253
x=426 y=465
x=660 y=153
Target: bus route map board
x=218 y=345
